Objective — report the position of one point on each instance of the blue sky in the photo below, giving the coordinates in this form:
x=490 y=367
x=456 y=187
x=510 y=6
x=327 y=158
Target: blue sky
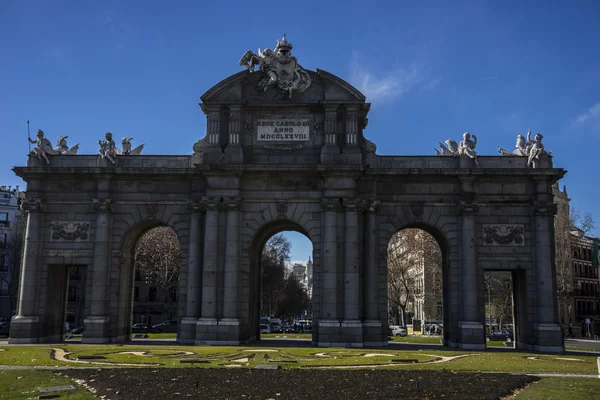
x=431 y=70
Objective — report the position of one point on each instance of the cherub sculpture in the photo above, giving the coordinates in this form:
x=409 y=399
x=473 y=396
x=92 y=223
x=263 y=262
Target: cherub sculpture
x=526 y=148
x=465 y=148
x=62 y=148
x=108 y=148
x=126 y=143
x=537 y=149
x=42 y=148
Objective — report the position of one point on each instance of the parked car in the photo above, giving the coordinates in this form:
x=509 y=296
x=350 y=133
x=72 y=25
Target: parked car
x=395 y=330
x=276 y=328
x=264 y=328
x=166 y=326
x=143 y=328
x=502 y=335
x=77 y=331
x=4 y=328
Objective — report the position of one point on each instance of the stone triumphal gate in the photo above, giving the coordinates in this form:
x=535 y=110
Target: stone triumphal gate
x=284 y=150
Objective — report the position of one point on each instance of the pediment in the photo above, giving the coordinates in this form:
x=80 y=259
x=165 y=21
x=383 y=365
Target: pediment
x=243 y=88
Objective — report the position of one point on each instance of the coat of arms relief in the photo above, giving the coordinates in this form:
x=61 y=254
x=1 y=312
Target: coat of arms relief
x=280 y=68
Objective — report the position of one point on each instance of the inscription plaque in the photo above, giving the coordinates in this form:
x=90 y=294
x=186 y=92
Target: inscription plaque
x=295 y=130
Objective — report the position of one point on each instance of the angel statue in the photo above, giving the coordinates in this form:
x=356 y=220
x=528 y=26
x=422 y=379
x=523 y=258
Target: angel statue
x=108 y=148
x=42 y=148
x=126 y=143
x=62 y=148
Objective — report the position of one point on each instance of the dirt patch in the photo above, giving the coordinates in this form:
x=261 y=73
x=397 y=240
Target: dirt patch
x=152 y=383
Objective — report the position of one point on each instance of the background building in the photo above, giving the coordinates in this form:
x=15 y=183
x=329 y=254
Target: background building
x=11 y=235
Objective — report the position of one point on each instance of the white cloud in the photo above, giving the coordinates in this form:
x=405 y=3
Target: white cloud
x=590 y=115
x=380 y=88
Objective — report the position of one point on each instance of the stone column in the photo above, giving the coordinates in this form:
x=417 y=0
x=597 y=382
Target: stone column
x=370 y=273
x=330 y=148
x=329 y=296
x=25 y=325
x=213 y=125
x=194 y=275
x=234 y=149
x=547 y=329
x=351 y=263
x=232 y=260
x=209 y=270
x=472 y=334
x=96 y=323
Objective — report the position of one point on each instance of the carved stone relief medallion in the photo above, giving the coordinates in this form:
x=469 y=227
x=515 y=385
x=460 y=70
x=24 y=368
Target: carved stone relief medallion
x=69 y=231
x=503 y=235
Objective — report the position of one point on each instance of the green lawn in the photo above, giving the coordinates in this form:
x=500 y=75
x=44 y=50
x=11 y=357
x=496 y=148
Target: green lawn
x=17 y=385
x=562 y=388
x=416 y=339
x=288 y=357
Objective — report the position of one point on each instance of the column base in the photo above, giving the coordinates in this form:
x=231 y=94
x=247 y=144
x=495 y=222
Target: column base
x=223 y=332
x=351 y=333
x=24 y=330
x=373 y=335
x=472 y=335
x=549 y=338
x=187 y=330
x=96 y=329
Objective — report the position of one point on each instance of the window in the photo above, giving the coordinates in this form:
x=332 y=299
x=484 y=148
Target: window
x=3 y=240
x=4 y=219
x=152 y=294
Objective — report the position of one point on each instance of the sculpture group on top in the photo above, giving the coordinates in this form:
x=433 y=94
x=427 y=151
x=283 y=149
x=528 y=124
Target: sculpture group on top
x=108 y=149
x=43 y=147
x=533 y=150
x=281 y=69
x=465 y=148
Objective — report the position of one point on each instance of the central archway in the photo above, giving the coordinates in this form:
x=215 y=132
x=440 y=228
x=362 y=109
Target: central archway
x=256 y=260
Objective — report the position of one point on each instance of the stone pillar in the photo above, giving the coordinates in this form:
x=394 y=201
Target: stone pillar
x=194 y=275
x=209 y=270
x=330 y=148
x=213 y=125
x=472 y=334
x=329 y=323
x=25 y=326
x=232 y=260
x=231 y=303
x=351 y=325
x=234 y=149
x=96 y=323
x=372 y=334
x=547 y=329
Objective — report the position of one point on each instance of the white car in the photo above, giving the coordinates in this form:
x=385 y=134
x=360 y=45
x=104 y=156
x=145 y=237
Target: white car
x=265 y=328
x=396 y=330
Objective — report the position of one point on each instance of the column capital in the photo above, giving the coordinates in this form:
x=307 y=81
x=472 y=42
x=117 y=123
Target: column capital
x=30 y=204
x=371 y=206
x=232 y=203
x=208 y=203
x=543 y=207
x=330 y=204
x=468 y=207
x=102 y=205
x=354 y=205
x=194 y=206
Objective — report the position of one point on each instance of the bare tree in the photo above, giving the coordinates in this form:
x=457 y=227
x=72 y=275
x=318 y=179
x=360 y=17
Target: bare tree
x=584 y=222
x=157 y=257
x=563 y=222
x=274 y=255
x=500 y=286
x=411 y=252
